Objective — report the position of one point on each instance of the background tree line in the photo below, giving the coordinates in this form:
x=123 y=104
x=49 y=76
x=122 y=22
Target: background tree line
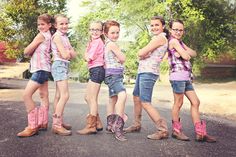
x=210 y=26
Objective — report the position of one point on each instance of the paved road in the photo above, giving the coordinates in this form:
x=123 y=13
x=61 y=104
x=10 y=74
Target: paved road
x=13 y=119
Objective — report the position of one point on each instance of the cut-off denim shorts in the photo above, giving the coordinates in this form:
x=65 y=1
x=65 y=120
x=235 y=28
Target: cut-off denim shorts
x=144 y=86
x=97 y=74
x=60 y=70
x=115 y=84
x=40 y=76
x=181 y=87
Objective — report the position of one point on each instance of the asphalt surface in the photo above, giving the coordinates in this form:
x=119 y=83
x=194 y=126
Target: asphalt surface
x=47 y=144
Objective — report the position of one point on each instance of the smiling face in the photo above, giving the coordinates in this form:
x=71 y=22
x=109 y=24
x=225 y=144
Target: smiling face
x=95 y=30
x=43 y=26
x=62 y=24
x=156 y=26
x=177 y=30
x=113 y=33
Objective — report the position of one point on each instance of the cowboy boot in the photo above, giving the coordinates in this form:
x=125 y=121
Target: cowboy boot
x=177 y=131
x=32 y=128
x=57 y=127
x=66 y=126
x=201 y=133
x=136 y=126
x=99 y=125
x=117 y=128
x=110 y=122
x=90 y=127
x=43 y=118
x=162 y=130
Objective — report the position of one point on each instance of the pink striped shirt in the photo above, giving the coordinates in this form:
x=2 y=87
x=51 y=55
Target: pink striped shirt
x=41 y=59
x=65 y=42
x=95 y=51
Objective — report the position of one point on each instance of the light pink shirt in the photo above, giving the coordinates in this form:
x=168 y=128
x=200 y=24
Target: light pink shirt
x=65 y=42
x=180 y=76
x=95 y=52
x=41 y=59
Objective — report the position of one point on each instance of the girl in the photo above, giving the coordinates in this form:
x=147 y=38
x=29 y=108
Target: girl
x=148 y=72
x=94 y=56
x=114 y=60
x=62 y=53
x=39 y=50
x=180 y=79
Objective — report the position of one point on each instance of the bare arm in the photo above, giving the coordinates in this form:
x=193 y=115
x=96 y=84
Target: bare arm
x=73 y=53
x=190 y=51
x=174 y=43
x=151 y=46
x=119 y=55
x=63 y=53
x=34 y=44
x=86 y=57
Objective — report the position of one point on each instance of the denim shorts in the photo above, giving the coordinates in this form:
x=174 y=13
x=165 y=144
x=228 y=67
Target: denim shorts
x=40 y=76
x=97 y=74
x=115 y=84
x=181 y=87
x=144 y=86
x=60 y=70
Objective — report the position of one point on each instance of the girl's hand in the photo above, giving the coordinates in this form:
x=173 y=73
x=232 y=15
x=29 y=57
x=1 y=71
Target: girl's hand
x=66 y=55
x=177 y=54
x=73 y=54
x=86 y=58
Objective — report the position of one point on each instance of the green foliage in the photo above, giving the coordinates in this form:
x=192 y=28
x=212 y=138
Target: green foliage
x=20 y=22
x=210 y=26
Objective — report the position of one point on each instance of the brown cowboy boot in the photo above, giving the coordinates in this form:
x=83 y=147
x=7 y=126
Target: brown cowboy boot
x=201 y=133
x=162 y=131
x=177 y=131
x=136 y=126
x=90 y=127
x=57 y=127
x=32 y=128
x=117 y=128
x=99 y=125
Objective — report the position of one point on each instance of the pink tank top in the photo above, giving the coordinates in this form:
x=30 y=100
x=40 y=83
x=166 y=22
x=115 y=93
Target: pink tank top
x=66 y=44
x=41 y=59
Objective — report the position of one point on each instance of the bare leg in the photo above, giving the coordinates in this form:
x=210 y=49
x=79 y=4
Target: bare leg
x=152 y=112
x=111 y=105
x=64 y=96
x=56 y=98
x=178 y=102
x=43 y=92
x=91 y=96
x=120 y=104
x=195 y=102
x=137 y=106
x=30 y=89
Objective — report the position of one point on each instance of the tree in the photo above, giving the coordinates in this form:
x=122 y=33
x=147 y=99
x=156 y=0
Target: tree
x=207 y=31
x=19 y=25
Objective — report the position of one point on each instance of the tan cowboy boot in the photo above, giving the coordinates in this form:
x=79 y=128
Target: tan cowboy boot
x=32 y=128
x=136 y=126
x=57 y=127
x=162 y=131
x=177 y=131
x=90 y=127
